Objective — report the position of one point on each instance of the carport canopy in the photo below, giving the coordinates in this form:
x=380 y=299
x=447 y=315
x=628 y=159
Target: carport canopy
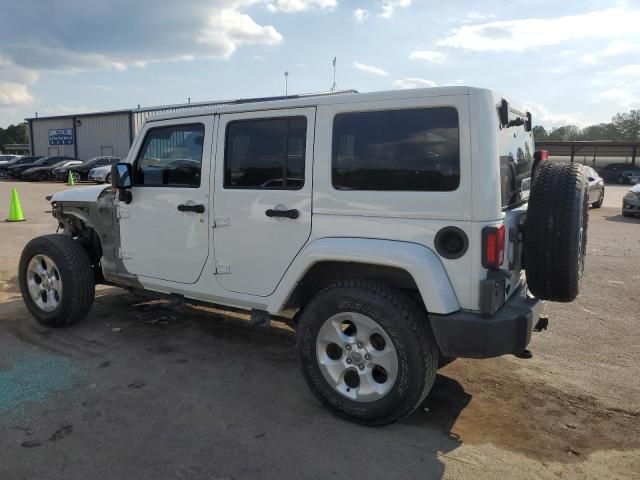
x=590 y=148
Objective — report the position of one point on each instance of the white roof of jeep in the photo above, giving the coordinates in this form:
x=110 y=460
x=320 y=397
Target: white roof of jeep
x=321 y=99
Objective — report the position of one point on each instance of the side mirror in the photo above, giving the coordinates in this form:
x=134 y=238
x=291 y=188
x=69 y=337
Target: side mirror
x=121 y=178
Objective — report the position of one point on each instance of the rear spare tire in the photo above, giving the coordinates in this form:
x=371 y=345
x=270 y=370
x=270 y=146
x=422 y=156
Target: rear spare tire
x=556 y=231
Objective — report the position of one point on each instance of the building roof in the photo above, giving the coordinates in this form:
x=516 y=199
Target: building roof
x=191 y=105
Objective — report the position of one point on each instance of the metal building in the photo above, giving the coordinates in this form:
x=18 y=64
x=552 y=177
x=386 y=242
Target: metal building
x=87 y=135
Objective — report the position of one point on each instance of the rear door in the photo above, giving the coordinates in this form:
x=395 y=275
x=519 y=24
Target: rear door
x=262 y=196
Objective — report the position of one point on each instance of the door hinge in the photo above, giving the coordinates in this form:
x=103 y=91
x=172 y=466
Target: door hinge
x=221 y=221
x=223 y=268
x=123 y=253
x=123 y=212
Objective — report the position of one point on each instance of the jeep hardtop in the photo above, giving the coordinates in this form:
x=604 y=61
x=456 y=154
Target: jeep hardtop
x=395 y=231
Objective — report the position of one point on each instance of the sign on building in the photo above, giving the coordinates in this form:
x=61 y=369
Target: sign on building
x=61 y=136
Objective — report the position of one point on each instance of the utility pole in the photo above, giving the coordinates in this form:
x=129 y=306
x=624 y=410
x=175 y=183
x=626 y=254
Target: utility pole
x=286 y=84
x=334 y=87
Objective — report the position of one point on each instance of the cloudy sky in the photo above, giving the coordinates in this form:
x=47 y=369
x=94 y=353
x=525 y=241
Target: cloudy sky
x=575 y=61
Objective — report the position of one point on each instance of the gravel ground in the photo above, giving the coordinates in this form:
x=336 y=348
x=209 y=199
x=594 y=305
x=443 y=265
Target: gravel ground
x=143 y=390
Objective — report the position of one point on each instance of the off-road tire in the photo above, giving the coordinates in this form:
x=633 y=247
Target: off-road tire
x=404 y=321
x=556 y=231
x=77 y=277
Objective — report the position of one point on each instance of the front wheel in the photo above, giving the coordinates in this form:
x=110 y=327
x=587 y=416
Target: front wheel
x=56 y=280
x=367 y=351
x=598 y=203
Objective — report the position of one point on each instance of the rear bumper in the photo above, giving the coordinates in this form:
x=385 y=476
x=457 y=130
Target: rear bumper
x=474 y=335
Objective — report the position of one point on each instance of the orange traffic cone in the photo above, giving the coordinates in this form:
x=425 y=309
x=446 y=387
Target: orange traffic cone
x=15 y=211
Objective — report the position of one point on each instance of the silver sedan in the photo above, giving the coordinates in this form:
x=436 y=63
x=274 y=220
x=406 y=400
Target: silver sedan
x=596 y=188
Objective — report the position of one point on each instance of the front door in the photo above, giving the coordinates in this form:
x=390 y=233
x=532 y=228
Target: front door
x=262 y=196
x=165 y=229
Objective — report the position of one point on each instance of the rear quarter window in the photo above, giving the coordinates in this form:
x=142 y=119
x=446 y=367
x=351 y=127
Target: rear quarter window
x=516 y=162
x=397 y=150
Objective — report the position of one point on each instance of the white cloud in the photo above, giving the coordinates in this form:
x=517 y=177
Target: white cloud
x=475 y=17
x=260 y=58
x=618 y=96
x=229 y=29
x=360 y=15
x=79 y=41
x=628 y=70
x=388 y=7
x=524 y=34
x=294 y=6
x=370 y=69
x=428 y=55
x=14 y=94
x=411 y=82
x=542 y=116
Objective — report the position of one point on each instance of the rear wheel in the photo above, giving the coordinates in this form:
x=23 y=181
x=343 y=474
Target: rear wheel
x=43 y=176
x=367 y=352
x=556 y=231
x=56 y=279
x=75 y=176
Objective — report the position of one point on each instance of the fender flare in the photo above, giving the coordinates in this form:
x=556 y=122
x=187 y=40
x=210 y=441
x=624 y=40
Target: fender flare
x=419 y=261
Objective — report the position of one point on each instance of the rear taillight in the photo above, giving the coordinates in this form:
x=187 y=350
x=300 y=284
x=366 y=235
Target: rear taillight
x=492 y=246
x=541 y=155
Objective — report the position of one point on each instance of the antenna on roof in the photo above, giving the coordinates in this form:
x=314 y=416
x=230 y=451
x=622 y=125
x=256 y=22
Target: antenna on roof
x=334 y=87
x=286 y=84
x=188 y=99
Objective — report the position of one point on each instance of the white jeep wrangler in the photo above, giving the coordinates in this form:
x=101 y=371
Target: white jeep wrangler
x=393 y=229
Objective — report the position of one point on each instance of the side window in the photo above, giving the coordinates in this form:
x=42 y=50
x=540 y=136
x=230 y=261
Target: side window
x=266 y=153
x=410 y=150
x=171 y=157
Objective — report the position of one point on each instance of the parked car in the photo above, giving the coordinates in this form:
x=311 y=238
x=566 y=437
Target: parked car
x=81 y=172
x=411 y=260
x=631 y=201
x=620 y=172
x=45 y=172
x=100 y=174
x=16 y=170
x=7 y=158
x=596 y=188
x=16 y=161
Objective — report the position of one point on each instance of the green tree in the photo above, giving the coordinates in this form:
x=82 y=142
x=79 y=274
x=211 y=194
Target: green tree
x=14 y=134
x=601 y=131
x=628 y=124
x=540 y=133
x=565 y=133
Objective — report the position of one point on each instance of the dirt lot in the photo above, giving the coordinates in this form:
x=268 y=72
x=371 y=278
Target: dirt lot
x=141 y=390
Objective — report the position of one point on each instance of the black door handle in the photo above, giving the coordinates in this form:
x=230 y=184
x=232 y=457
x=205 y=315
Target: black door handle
x=191 y=208
x=293 y=213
